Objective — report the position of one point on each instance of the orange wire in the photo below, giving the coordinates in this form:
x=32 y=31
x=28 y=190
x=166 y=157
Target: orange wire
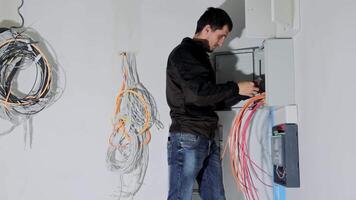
x=236 y=170
x=48 y=66
x=121 y=122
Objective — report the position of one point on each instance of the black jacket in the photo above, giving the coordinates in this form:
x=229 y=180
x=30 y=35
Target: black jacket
x=191 y=90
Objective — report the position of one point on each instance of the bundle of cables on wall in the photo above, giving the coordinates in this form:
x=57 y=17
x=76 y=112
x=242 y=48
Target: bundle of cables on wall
x=243 y=168
x=135 y=114
x=19 y=53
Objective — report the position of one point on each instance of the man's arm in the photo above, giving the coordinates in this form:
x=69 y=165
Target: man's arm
x=198 y=86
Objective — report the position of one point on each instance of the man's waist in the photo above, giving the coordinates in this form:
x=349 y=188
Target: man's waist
x=198 y=127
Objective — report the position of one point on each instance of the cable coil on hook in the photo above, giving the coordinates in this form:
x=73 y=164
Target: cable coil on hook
x=135 y=114
x=20 y=54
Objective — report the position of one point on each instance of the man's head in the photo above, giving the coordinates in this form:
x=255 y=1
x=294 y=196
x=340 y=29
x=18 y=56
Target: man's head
x=213 y=27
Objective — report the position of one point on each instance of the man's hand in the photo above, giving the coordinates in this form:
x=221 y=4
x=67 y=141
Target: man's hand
x=247 y=88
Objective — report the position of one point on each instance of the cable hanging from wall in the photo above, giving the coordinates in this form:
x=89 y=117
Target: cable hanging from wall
x=135 y=114
x=30 y=77
x=243 y=168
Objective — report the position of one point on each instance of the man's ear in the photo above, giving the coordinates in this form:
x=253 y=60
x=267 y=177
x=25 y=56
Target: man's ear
x=207 y=29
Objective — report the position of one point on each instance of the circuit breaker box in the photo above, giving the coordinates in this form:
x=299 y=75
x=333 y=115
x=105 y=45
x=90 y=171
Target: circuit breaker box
x=271 y=66
x=285 y=156
x=274 y=64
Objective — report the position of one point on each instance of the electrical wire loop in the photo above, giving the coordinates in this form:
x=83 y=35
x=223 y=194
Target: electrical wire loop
x=243 y=168
x=20 y=53
x=135 y=114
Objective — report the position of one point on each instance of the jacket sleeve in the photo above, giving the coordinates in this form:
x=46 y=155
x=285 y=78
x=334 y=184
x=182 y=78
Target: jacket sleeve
x=228 y=103
x=199 y=88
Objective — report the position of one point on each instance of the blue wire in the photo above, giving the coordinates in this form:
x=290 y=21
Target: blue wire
x=279 y=191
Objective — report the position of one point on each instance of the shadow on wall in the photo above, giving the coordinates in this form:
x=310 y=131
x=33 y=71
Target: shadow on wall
x=236 y=10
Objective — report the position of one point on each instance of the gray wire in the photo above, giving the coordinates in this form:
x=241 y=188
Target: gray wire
x=16 y=56
x=279 y=174
x=130 y=158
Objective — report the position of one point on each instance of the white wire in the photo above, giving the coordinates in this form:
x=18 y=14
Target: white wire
x=130 y=157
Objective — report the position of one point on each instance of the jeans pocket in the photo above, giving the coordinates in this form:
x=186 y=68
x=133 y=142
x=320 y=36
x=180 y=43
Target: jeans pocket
x=189 y=141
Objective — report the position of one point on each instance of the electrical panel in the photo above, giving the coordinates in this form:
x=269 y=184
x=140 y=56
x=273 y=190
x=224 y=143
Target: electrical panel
x=285 y=156
x=270 y=66
x=274 y=69
x=234 y=65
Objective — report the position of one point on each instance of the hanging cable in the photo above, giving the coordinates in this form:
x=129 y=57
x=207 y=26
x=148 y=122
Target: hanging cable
x=19 y=53
x=135 y=114
x=243 y=168
x=21 y=16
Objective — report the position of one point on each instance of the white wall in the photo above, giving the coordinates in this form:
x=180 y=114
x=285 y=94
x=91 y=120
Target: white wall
x=325 y=68
x=67 y=160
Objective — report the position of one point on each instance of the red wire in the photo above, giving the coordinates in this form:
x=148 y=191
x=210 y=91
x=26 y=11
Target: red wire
x=240 y=161
x=250 y=190
x=253 y=192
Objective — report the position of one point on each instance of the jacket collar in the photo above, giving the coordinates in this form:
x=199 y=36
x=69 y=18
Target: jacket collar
x=197 y=43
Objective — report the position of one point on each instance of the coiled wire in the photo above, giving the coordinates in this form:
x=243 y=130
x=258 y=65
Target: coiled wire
x=19 y=52
x=135 y=113
x=243 y=168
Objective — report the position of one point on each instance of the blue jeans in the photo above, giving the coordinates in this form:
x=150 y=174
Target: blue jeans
x=194 y=158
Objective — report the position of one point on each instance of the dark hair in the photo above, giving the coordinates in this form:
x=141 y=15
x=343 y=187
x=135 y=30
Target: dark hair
x=215 y=17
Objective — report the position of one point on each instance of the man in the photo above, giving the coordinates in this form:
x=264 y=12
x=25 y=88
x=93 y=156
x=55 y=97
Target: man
x=193 y=96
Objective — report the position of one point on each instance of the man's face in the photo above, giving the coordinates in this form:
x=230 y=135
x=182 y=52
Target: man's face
x=216 y=38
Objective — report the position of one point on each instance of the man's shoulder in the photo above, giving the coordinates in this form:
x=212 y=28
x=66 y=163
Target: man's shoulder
x=182 y=50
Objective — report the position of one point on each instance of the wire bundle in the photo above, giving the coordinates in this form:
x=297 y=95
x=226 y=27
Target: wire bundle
x=135 y=114
x=243 y=168
x=18 y=52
